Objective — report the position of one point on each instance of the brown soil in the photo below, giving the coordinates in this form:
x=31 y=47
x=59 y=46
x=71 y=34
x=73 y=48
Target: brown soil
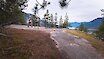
x=27 y=44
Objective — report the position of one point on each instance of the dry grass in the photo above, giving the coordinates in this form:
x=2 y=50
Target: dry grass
x=25 y=44
x=99 y=45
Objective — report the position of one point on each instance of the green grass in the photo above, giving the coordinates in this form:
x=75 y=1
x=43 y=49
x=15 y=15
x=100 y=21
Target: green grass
x=99 y=45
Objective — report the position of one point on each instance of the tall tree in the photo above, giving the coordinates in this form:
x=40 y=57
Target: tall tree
x=61 y=22
x=82 y=28
x=100 y=31
x=52 y=21
x=10 y=11
x=46 y=17
x=55 y=20
x=65 y=24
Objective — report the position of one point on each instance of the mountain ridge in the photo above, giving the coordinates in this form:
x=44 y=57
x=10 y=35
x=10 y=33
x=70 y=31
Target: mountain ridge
x=94 y=24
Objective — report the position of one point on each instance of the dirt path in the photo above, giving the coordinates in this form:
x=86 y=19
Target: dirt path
x=75 y=47
x=71 y=46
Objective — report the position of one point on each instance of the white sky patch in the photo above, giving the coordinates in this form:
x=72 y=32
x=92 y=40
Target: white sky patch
x=78 y=10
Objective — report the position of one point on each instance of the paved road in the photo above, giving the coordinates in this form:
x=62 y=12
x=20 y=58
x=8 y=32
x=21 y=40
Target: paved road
x=72 y=47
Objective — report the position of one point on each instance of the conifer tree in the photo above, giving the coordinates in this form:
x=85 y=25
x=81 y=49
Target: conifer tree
x=66 y=24
x=100 y=31
x=82 y=28
x=10 y=11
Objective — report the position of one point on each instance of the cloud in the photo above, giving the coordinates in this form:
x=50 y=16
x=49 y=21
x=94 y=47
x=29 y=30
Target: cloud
x=78 y=10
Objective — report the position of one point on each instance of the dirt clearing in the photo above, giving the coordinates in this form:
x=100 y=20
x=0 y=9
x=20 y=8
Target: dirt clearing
x=27 y=44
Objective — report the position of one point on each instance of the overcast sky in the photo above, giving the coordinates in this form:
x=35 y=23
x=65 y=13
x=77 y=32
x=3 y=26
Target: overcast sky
x=78 y=10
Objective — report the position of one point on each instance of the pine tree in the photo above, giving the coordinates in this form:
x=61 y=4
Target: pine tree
x=52 y=22
x=55 y=20
x=47 y=18
x=66 y=24
x=10 y=11
x=61 y=22
x=100 y=31
x=82 y=28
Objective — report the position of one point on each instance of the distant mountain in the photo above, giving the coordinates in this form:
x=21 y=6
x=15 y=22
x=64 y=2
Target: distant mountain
x=27 y=15
x=94 y=24
x=75 y=24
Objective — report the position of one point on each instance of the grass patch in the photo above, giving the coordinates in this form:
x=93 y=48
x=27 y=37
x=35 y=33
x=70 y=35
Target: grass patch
x=99 y=45
x=26 y=44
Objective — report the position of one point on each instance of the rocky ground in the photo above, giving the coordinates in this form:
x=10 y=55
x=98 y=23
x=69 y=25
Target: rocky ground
x=70 y=46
